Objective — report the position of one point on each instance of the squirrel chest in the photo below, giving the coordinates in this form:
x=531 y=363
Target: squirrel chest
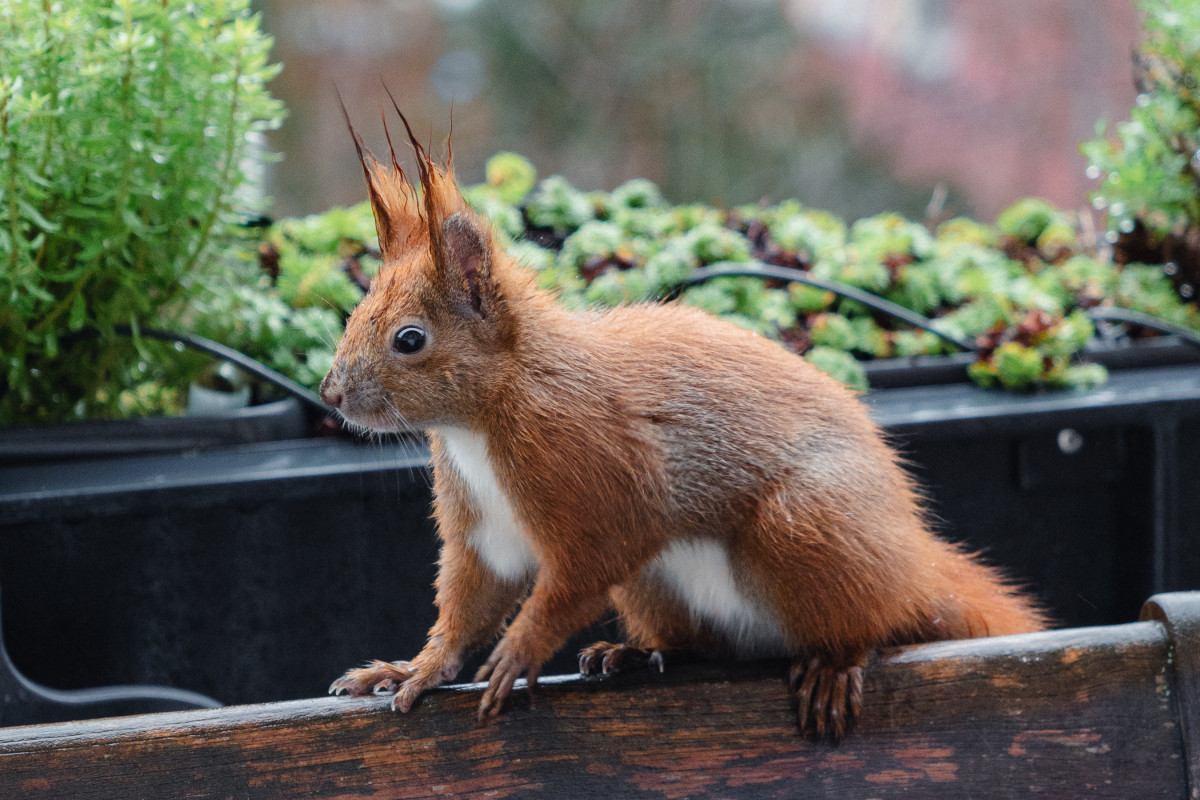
x=695 y=572
x=498 y=538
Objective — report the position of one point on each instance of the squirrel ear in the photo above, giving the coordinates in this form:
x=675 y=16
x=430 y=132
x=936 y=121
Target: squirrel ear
x=467 y=263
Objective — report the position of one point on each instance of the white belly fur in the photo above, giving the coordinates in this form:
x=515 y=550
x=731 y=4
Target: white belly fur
x=498 y=538
x=700 y=574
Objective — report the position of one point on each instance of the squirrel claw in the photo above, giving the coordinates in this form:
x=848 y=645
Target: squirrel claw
x=501 y=671
x=828 y=699
x=604 y=658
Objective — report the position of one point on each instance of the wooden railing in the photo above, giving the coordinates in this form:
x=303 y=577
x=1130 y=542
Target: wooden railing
x=1107 y=712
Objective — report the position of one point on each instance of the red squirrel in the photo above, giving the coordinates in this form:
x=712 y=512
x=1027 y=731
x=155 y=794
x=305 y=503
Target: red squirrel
x=722 y=494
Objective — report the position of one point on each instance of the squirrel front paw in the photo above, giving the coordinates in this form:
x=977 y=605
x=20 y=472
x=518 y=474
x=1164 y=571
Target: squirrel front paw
x=406 y=680
x=377 y=676
x=829 y=698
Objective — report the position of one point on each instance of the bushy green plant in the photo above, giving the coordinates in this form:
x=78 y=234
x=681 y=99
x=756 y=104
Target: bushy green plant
x=254 y=319
x=288 y=308
x=124 y=128
x=1151 y=172
x=317 y=254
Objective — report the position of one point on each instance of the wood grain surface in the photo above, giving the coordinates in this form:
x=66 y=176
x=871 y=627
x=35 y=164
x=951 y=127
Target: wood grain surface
x=1087 y=712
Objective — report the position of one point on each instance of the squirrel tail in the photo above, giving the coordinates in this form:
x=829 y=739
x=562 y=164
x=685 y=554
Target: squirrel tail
x=969 y=599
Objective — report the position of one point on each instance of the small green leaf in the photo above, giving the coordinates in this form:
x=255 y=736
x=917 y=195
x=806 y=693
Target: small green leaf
x=36 y=217
x=78 y=313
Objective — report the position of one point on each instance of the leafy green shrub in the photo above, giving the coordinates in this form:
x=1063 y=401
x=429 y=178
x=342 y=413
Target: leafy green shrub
x=124 y=127
x=1151 y=172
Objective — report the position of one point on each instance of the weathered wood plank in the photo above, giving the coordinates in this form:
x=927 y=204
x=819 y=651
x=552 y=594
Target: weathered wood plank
x=1084 y=712
x=1180 y=613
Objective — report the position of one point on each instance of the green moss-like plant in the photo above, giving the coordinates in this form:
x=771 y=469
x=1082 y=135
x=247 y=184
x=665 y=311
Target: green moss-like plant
x=1024 y=307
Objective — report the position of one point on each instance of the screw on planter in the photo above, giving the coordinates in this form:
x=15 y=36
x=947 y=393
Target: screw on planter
x=1070 y=441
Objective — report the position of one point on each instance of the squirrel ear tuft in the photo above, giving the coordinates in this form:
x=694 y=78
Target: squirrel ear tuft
x=467 y=262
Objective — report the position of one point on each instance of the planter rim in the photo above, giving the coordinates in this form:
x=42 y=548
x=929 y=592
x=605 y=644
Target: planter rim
x=112 y=485
x=1145 y=394
x=272 y=421
x=892 y=373
x=1135 y=396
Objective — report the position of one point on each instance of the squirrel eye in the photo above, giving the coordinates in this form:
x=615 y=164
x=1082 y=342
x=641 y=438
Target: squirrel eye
x=409 y=340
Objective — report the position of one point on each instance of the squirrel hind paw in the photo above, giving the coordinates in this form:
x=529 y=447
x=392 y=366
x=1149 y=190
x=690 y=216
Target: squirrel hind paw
x=377 y=677
x=603 y=658
x=828 y=698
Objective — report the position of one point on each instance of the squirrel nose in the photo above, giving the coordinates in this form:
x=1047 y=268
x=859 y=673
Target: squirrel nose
x=332 y=396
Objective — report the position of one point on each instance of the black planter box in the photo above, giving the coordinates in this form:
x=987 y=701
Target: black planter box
x=1092 y=499
x=259 y=572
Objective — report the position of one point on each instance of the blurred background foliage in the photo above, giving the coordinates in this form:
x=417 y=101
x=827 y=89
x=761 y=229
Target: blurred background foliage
x=856 y=106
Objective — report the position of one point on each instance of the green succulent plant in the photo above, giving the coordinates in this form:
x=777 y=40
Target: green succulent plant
x=1028 y=315
x=557 y=205
x=512 y=176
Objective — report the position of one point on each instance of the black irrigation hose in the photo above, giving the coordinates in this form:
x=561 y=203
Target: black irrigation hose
x=720 y=270
x=1111 y=314
x=239 y=360
x=760 y=270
